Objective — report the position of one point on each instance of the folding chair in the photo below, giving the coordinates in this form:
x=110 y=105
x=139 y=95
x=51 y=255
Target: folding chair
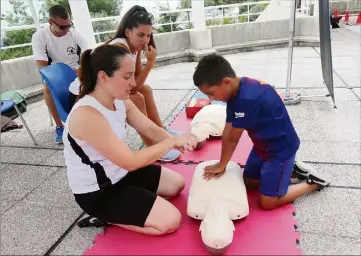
x=6 y=105
x=58 y=78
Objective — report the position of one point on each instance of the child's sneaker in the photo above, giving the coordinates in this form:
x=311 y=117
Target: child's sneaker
x=171 y=156
x=171 y=131
x=302 y=170
x=59 y=134
x=321 y=183
x=91 y=222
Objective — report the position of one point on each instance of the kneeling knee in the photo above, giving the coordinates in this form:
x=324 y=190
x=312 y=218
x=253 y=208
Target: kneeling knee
x=177 y=185
x=171 y=223
x=267 y=206
x=268 y=203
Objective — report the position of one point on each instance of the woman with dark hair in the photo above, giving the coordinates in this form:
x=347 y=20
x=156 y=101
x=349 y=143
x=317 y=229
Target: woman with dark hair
x=109 y=181
x=135 y=34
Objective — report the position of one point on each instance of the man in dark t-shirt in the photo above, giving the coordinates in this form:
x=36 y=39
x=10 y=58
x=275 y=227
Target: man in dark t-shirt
x=256 y=107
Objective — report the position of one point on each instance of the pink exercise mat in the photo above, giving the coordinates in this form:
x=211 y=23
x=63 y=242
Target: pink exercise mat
x=261 y=233
x=212 y=149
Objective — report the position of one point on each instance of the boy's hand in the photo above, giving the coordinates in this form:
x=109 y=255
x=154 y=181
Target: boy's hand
x=214 y=171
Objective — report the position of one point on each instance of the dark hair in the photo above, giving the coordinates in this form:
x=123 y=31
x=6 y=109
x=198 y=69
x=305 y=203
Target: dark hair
x=105 y=58
x=135 y=16
x=211 y=69
x=58 y=11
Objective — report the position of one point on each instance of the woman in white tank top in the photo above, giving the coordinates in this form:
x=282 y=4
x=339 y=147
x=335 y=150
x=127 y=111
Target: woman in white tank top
x=135 y=34
x=109 y=181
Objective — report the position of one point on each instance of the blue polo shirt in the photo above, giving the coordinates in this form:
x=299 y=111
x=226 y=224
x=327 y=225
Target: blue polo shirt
x=259 y=110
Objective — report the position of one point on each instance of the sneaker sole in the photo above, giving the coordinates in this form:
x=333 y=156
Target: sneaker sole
x=321 y=183
x=168 y=161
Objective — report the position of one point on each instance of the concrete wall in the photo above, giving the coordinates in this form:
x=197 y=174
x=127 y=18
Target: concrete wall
x=172 y=42
x=259 y=31
x=21 y=73
x=18 y=73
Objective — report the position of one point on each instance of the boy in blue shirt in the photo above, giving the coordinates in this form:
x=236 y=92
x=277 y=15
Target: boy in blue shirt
x=255 y=106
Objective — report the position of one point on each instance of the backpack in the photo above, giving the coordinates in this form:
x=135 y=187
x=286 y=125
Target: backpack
x=19 y=100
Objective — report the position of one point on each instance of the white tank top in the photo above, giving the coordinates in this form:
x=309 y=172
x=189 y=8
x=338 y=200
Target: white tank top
x=87 y=169
x=124 y=41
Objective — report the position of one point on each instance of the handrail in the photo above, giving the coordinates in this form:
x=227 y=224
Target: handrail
x=156 y=14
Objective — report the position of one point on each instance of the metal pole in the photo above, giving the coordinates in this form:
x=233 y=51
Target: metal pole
x=34 y=13
x=26 y=126
x=290 y=46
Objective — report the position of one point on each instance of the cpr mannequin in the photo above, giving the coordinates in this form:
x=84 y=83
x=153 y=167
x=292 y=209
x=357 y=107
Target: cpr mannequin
x=217 y=202
x=209 y=122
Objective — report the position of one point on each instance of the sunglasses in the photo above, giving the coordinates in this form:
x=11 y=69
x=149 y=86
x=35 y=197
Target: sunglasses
x=142 y=14
x=63 y=27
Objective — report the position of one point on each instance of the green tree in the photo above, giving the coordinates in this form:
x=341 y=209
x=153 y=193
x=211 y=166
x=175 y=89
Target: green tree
x=165 y=18
x=241 y=10
x=16 y=17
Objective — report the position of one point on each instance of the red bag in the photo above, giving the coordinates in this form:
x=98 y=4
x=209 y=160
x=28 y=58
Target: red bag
x=195 y=105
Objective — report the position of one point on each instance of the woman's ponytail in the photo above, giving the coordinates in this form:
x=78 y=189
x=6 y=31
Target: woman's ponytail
x=86 y=74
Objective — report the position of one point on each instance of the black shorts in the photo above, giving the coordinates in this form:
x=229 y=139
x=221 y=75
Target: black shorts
x=72 y=100
x=127 y=202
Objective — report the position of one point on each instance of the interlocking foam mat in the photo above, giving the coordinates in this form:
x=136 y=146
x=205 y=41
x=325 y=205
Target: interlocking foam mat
x=262 y=232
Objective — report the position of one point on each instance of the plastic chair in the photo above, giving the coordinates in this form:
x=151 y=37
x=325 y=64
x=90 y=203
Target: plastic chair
x=58 y=78
x=9 y=104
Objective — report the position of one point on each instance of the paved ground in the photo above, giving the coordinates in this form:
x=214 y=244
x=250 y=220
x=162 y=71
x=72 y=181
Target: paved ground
x=38 y=210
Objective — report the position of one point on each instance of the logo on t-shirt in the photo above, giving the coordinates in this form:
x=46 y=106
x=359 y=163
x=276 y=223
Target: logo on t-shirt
x=71 y=50
x=238 y=114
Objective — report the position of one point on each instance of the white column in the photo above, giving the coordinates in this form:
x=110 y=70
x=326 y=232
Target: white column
x=200 y=36
x=81 y=19
x=198 y=14
x=34 y=13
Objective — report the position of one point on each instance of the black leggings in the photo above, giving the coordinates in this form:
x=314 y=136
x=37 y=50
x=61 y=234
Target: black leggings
x=127 y=202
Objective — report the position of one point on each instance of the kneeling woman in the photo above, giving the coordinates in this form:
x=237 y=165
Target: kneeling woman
x=109 y=181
